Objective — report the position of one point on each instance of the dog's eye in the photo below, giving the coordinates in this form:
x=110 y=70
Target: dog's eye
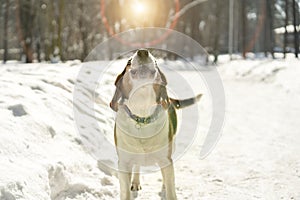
x=133 y=71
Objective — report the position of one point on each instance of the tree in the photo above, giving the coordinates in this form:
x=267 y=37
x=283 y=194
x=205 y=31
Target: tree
x=230 y=31
x=5 y=29
x=296 y=36
x=269 y=36
x=55 y=23
x=59 y=18
x=25 y=15
x=244 y=27
x=216 y=42
x=285 y=27
x=83 y=31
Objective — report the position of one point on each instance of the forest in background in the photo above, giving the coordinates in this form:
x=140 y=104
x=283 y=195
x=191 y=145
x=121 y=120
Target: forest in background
x=52 y=30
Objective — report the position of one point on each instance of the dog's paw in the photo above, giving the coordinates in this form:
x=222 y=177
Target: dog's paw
x=135 y=187
x=134 y=195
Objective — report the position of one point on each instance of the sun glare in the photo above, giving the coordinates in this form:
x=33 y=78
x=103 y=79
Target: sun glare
x=139 y=7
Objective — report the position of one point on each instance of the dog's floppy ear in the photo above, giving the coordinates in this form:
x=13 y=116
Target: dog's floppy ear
x=162 y=77
x=114 y=102
x=120 y=76
x=161 y=90
x=119 y=88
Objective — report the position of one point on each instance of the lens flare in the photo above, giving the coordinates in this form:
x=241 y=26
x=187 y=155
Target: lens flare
x=139 y=7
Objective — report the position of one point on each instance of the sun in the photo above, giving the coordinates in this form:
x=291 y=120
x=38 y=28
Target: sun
x=139 y=7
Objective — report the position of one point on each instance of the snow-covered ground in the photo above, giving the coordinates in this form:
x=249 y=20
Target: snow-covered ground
x=257 y=157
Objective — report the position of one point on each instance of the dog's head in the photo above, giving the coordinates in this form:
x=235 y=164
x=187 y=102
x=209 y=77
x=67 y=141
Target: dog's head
x=141 y=68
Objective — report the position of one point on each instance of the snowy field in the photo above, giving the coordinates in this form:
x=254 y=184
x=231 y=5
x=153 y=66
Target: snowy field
x=257 y=157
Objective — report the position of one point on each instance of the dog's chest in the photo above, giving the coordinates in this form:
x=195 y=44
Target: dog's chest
x=146 y=139
x=142 y=99
x=142 y=138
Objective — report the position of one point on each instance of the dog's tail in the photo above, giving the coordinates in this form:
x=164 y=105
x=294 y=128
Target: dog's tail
x=182 y=103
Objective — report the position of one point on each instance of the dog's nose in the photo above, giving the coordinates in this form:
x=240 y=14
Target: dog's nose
x=143 y=53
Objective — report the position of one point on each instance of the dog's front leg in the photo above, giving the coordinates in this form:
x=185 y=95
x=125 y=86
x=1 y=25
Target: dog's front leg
x=135 y=186
x=124 y=179
x=169 y=182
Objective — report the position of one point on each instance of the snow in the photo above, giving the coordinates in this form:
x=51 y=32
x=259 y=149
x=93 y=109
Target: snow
x=257 y=157
x=40 y=152
x=289 y=28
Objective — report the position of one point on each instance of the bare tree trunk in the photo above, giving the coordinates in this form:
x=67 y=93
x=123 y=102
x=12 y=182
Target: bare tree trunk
x=244 y=27
x=49 y=46
x=267 y=41
x=230 y=31
x=270 y=9
x=39 y=32
x=296 y=36
x=269 y=36
x=216 y=43
x=286 y=24
x=59 y=28
x=5 y=46
x=24 y=28
x=83 y=32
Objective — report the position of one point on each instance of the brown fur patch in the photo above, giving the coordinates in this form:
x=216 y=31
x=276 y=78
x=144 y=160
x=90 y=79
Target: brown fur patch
x=123 y=87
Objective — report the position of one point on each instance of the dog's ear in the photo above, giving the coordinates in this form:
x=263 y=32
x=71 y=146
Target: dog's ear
x=120 y=76
x=114 y=102
x=121 y=90
x=161 y=78
x=161 y=90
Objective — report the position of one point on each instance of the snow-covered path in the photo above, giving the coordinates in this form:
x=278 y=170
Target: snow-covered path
x=257 y=157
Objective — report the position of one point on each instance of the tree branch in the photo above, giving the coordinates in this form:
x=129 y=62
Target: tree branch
x=186 y=8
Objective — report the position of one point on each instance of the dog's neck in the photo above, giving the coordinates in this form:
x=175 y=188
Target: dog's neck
x=142 y=100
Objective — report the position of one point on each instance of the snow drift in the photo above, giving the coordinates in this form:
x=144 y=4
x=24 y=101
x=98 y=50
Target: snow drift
x=42 y=156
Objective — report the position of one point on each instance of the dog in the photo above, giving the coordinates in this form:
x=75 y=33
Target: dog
x=145 y=124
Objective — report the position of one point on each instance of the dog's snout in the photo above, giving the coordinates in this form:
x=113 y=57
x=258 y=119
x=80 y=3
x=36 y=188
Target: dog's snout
x=143 y=53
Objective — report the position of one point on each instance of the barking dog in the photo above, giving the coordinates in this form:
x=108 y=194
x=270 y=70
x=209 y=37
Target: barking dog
x=146 y=123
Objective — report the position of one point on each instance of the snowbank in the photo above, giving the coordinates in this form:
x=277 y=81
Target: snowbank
x=40 y=152
x=42 y=156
